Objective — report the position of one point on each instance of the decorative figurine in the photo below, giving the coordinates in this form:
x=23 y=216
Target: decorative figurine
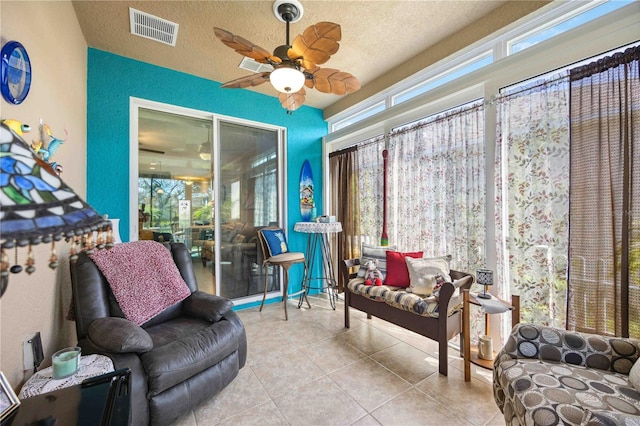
x=17 y=126
x=47 y=153
x=54 y=144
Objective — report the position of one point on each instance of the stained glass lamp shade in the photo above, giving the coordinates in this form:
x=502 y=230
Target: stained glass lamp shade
x=36 y=206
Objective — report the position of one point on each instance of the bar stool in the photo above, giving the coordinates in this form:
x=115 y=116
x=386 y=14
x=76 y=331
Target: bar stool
x=275 y=252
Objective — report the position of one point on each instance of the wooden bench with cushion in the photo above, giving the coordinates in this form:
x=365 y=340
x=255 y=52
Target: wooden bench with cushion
x=407 y=310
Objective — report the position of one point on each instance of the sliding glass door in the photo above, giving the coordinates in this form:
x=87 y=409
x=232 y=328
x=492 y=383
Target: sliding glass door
x=249 y=197
x=210 y=183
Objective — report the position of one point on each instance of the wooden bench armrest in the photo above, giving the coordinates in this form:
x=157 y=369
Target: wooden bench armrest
x=349 y=269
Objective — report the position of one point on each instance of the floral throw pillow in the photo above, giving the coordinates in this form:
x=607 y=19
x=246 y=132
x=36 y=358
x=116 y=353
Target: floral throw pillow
x=424 y=273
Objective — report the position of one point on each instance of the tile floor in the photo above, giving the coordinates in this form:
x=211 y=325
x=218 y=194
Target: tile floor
x=311 y=370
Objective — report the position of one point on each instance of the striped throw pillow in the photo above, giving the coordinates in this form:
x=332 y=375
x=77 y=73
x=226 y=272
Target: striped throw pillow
x=374 y=252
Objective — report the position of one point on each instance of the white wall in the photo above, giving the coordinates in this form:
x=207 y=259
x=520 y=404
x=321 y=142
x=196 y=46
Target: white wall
x=52 y=37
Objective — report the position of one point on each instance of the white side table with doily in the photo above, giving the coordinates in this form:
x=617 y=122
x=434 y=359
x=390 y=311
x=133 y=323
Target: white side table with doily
x=43 y=381
x=318 y=235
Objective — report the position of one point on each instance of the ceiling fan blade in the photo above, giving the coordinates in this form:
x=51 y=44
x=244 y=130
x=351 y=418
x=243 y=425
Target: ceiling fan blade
x=247 y=81
x=153 y=151
x=330 y=80
x=245 y=47
x=292 y=101
x=316 y=44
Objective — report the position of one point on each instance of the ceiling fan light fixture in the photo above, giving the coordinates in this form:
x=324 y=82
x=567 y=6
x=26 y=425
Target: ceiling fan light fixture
x=287 y=79
x=295 y=63
x=204 y=151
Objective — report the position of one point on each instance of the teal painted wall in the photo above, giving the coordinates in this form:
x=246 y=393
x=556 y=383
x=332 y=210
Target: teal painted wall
x=113 y=79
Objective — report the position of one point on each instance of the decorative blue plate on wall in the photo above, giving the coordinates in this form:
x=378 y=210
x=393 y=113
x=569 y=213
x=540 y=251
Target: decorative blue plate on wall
x=15 y=80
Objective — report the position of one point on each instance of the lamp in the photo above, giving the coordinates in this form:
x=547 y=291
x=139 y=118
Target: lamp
x=286 y=78
x=204 y=150
x=36 y=206
x=484 y=277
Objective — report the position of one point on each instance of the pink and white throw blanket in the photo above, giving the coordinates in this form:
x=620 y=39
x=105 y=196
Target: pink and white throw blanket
x=143 y=277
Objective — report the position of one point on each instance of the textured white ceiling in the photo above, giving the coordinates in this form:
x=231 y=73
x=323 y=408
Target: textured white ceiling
x=382 y=42
x=377 y=36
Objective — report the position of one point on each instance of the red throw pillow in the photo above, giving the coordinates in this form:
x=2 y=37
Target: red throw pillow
x=397 y=271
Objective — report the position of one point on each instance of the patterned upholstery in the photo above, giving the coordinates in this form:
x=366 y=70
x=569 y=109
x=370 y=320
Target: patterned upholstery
x=549 y=376
x=399 y=298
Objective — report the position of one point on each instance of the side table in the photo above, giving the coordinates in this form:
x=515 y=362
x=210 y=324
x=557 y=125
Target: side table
x=318 y=235
x=101 y=400
x=43 y=381
x=471 y=354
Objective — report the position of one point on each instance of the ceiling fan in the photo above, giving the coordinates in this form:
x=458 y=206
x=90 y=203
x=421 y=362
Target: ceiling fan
x=295 y=65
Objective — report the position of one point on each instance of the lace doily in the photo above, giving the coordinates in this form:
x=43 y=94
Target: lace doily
x=43 y=382
x=318 y=227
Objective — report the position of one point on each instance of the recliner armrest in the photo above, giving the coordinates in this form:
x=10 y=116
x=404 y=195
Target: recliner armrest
x=119 y=335
x=206 y=306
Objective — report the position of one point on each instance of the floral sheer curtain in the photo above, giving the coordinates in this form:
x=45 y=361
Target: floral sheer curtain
x=532 y=198
x=604 y=275
x=370 y=190
x=436 y=187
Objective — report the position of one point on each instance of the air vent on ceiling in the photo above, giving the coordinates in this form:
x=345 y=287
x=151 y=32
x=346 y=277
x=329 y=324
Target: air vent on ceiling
x=254 y=66
x=152 y=27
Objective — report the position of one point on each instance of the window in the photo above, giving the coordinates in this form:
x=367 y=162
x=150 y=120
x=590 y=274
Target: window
x=569 y=21
x=264 y=176
x=235 y=199
x=368 y=112
x=444 y=77
x=556 y=20
x=525 y=138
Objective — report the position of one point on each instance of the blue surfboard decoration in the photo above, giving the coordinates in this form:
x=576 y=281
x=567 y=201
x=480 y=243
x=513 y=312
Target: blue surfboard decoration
x=306 y=191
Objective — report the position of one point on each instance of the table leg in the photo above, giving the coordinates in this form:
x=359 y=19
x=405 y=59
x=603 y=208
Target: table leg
x=327 y=272
x=465 y=335
x=332 y=284
x=308 y=276
x=486 y=324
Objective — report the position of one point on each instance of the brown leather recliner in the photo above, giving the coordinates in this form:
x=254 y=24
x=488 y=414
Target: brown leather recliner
x=178 y=359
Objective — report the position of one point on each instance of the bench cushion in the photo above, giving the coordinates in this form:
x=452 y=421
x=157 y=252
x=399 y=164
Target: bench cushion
x=399 y=298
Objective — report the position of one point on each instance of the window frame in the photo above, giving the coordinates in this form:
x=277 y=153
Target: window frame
x=497 y=43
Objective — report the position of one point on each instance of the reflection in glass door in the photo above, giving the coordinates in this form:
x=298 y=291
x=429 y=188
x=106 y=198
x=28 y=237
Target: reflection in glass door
x=175 y=177
x=210 y=184
x=249 y=197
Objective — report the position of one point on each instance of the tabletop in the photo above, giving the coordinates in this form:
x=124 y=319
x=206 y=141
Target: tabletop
x=318 y=227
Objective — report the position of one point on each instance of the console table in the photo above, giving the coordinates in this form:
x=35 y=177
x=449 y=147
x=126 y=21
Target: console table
x=471 y=354
x=318 y=235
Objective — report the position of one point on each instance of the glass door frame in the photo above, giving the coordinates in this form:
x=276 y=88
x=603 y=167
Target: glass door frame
x=135 y=104
x=281 y=133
